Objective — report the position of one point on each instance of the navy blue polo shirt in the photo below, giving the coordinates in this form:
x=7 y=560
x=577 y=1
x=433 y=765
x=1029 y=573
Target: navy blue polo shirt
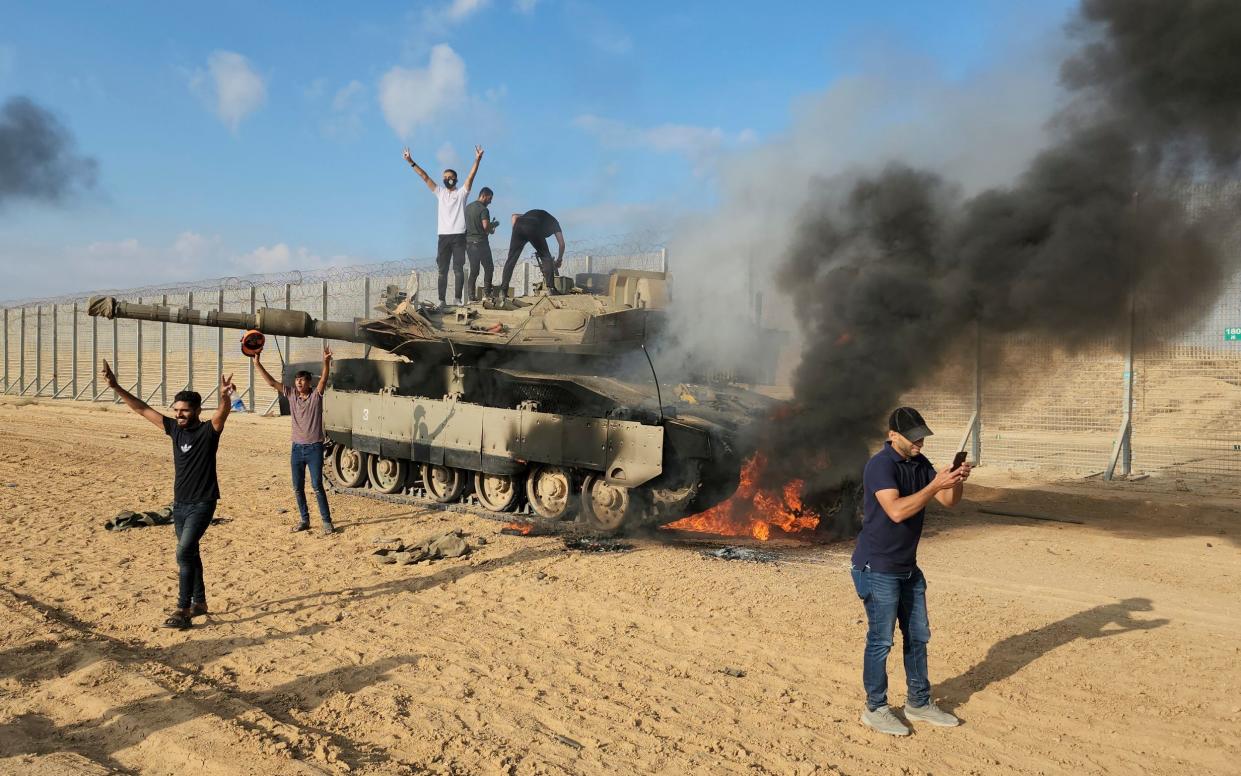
x=888 y=546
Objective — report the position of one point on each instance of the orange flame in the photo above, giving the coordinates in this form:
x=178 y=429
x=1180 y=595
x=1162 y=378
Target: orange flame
x=520 y=528
x=753 y=511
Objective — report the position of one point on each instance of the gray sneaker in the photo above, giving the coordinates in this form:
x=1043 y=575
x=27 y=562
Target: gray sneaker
x=885 y=721
x=930 y=713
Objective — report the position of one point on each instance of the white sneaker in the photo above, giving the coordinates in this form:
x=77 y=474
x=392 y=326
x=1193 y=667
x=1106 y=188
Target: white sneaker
x=930 y=713
x=884 y=720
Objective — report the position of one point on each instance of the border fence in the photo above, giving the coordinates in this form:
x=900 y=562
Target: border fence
x=1140 y=401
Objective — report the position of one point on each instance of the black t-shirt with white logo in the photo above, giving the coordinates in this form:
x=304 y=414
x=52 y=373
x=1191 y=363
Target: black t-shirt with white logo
x=193 y=460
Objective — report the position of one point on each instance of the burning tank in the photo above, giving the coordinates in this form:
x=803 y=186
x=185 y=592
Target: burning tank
x=543 y=405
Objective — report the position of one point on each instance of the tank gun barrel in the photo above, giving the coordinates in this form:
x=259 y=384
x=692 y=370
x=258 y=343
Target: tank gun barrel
x=269 y=320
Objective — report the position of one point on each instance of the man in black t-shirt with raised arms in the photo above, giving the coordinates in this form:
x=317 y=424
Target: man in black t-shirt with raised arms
x=195 y=487
x=534 y=227
x=898 y=483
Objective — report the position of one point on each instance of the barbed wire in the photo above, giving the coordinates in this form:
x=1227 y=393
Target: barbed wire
x=612 y=250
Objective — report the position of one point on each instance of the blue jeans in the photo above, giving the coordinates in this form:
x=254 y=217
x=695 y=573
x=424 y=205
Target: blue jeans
x=190 y=521
x=890 y=599
x=303 y=457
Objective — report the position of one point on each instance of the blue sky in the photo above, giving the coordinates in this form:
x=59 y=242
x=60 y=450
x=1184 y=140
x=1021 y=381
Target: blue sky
x=235 y=137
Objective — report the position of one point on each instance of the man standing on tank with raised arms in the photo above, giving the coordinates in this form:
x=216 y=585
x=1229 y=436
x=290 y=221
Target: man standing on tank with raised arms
x=450 y=219
x=195 y=489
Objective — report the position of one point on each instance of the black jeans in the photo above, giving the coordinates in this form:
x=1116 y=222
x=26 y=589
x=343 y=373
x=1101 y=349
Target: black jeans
x=190 y=521
x=519 y=241
x=451 y=247
x=479 y=253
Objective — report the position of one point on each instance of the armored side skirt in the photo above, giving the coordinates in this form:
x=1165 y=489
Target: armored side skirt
x=488 y=439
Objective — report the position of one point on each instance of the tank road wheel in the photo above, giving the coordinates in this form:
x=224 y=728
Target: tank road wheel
x=497 y=492
x=550 y=491
x=349 y=467
x=608 y=507
x=443 y=483
x=387 y=474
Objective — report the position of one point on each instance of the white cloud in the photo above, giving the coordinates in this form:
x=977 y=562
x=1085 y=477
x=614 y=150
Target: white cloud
x=230 y=87
x=525 y=6
x=446 y=155
x=194 y=247
x=459 y=10
x=414 y=97
x=700 y=145
x=282 y=258
x=348 y=105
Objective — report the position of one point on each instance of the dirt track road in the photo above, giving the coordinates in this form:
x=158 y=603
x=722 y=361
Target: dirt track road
x=1110 y=647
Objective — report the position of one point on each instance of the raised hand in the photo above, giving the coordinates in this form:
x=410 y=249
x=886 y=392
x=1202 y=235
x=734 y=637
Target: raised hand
x=408 y=158
x=327 y=355
x=478 y=152
x=107 y=374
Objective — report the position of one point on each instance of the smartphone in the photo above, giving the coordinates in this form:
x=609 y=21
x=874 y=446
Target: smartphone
x=957 y=460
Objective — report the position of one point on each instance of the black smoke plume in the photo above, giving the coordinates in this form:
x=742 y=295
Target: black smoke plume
x=889 y=273
x=37 y=156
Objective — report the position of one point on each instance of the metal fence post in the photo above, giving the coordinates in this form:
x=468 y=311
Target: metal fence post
x=116 y=361
x=1122 y=451
x=38 y=350
x=55 y=349
x=525 y=278
x=663 y=259
x=94 y=358
x=6 y=350
x=288 y=305
x=163 y=358
x=219 y=355
x=250 y=389
x=189 y=346
x=73 y=363
x=977 y=451
x=590 y=264
x=324 y=316
x=138 y=355
x=366 y=304
x=21 y=354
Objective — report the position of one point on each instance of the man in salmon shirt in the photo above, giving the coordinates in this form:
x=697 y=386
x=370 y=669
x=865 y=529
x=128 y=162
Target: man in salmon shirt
x=306 y=410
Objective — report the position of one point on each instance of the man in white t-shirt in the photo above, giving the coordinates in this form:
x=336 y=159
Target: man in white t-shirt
x=451 y=219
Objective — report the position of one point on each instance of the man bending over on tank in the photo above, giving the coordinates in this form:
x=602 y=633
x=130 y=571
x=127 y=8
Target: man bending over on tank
x=306 y=411
x=195 y=487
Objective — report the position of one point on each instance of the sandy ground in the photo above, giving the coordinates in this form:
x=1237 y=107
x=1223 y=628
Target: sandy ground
x=1107 y=647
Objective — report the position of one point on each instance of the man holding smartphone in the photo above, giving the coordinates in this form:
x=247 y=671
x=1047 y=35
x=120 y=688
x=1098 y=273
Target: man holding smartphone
x=899 y=482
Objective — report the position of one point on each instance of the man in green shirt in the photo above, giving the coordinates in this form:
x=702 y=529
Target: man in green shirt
x=478 y=225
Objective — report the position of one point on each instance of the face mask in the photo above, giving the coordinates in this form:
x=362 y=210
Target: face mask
x=450 y=182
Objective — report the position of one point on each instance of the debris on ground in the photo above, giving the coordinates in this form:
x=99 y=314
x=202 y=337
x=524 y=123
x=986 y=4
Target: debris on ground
x=437 y=546
x=740 y=553
x=595 y=544
x=128 y=518
x=737 y=672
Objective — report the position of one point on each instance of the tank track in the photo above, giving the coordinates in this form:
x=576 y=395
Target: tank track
x=416 y=496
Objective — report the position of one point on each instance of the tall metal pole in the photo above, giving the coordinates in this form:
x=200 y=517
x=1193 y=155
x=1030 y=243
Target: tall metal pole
x=163 y=358
x=55 y=349
x=288 y=305
x=6 y=350
x=977 y=447
x=324 y=342
x=219 y=351
x=525 y=278
x=73 y=374
x=1126 y=450
x=189 y=347
x=138 y=360
x=94 y=358
x=21 y=354
x=116 y=351
x=250 y=389
x=663 y=259
x=366 y=306
x=38 y=350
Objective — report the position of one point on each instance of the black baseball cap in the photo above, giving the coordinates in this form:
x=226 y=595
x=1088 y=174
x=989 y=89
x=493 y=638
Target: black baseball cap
x=907 y=422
